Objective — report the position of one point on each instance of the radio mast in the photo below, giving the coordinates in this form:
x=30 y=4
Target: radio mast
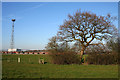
x=12 y=35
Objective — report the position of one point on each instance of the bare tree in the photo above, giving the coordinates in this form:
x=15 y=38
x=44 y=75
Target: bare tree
x=52 y=44
x=55 y=45
x=113 y=44
x=86 y=27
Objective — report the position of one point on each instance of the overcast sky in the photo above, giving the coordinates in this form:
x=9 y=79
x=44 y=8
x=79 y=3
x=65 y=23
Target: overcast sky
x=37 y=22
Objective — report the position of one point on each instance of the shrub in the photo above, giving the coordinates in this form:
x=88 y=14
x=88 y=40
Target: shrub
x=102 y=59
x=101 y=55
x=65 y=58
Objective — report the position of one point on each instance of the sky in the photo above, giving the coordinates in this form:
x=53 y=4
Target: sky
x=37 y=22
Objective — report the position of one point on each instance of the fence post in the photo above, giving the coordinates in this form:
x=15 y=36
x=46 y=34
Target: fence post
x=18 y=60
x=42 y=61
x=39 y=61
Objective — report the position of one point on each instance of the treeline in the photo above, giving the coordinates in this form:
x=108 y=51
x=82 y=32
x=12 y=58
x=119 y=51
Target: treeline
x=84 y=33
x=69 y=53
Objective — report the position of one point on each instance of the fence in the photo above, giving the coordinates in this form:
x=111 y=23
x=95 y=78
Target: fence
x=26 y=59
x=20 y=60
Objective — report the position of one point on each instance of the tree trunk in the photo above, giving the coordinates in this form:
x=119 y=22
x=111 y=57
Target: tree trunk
x=81 y=53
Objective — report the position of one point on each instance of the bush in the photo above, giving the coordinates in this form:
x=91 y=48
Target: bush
x=101 y=56
x=65 y=58
x=102 y=59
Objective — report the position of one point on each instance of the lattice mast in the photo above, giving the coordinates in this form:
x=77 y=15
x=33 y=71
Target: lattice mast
x=12 y=35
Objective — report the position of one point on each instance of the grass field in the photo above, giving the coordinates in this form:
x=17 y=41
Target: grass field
x=30 y=68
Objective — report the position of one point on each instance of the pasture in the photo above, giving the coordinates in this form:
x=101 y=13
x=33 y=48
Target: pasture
x=29 y=67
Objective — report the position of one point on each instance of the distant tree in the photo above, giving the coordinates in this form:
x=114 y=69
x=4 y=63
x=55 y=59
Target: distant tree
x=86 y=27
x=113 y=44
x=96 y=49
x=64 y=47
x=55 y=45
x=52 y=44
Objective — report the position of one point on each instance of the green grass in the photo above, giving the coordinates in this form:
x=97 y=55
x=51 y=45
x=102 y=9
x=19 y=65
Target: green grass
x=32 y=69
